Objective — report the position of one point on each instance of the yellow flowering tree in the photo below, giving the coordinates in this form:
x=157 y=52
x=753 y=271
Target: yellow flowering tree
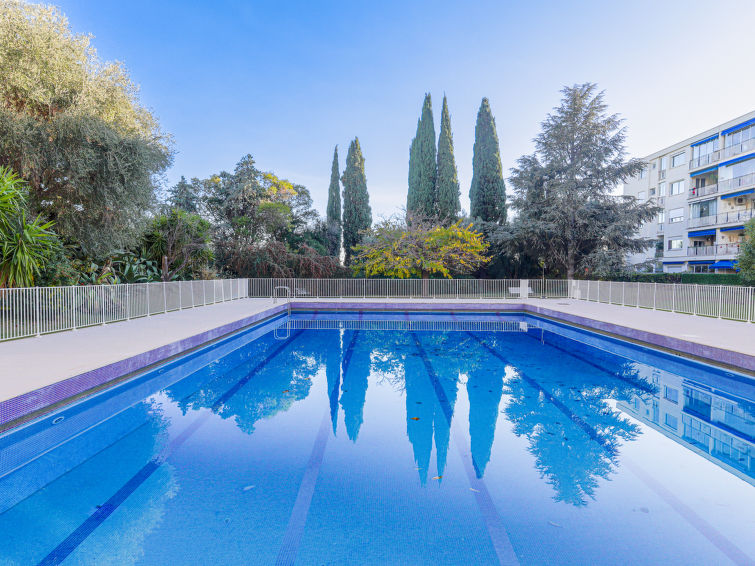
x=395 y=248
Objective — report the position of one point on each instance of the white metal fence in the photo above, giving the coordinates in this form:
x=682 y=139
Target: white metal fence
x=41 y=310
x=718 y=301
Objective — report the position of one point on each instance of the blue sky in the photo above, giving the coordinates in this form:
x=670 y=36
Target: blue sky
x=286 y=81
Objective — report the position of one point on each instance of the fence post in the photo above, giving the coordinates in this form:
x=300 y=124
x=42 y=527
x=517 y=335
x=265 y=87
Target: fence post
x=749 y=305
x=694 y=307
x=102 y=304
x=673 y=297
x=623 y=293
x=588 y=290
x=128 y=302
x=73 y=308
x=36 y=307
x=720 y=299
x=165 y=297
x=180 y=297
x=655 y=292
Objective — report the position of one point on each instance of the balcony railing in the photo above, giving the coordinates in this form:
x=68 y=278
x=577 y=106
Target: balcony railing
x=706 y=159
x=736 y=216
x=702 y=221
x=696 y=192
x=738 y=148
x=714 y=250
x=701 y=250
x=737 y=182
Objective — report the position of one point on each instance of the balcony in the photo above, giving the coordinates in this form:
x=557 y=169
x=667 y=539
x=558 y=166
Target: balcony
x=661 y=175
x=696 y=192
x=737 y=183
x=702 y=221
x=714 y=250
x=736 y=216
x=738 y=148
x=706 y=159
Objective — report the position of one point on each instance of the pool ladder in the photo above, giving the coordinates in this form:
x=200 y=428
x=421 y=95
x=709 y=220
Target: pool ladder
x=276 y=334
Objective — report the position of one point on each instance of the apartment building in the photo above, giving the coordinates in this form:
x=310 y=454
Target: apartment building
x=705 y=186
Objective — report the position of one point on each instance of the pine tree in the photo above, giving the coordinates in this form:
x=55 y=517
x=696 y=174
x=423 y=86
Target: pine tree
x=357 y=214
x=333 y=213
x=487 y=193
x=447 y=191
x=185 y=195
x=421 y=198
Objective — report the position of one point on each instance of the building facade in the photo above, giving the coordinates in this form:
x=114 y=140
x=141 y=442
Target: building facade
x=705 y=186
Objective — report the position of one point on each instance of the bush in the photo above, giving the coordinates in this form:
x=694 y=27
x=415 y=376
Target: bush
x=698 y=278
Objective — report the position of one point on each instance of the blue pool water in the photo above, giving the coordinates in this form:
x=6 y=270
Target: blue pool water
x=368 y=438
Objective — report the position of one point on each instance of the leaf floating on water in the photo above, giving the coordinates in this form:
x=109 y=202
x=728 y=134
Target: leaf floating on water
x=286 y=390
x=555 y=524
x=437 y=477
x=248 y=487
x=415 y=418
x=475 y=490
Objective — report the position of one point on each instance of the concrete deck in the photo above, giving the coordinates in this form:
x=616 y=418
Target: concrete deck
x=56 y=366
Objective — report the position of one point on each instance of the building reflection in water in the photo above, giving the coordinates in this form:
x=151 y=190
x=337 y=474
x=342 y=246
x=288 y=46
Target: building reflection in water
x=714 y=423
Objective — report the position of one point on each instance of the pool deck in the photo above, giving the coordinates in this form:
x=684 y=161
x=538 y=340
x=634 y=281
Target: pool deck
x=40 y=372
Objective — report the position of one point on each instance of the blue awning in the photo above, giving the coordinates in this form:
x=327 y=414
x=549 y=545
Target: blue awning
x=731 y=228
x=703 y=171
x=739 y=194
x=698 y=233
x=724 y=264
x=737 y=160
x=673 y=262
x=709 y=138
x=701 y=262
x=738 y=127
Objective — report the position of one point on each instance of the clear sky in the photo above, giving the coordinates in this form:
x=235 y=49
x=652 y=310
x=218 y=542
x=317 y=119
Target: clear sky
x=287 y=81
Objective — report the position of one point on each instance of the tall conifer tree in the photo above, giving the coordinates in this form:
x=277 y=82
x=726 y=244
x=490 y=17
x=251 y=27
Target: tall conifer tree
x=421 y=198
x=333 y=213
x=357 y=214
x=447 y=191
x=487 y=194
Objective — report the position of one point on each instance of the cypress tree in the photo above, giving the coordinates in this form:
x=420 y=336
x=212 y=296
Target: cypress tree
x=333 y=213
x=421 y=198
x=487 y=194
x=447 y=191
x=357 y=214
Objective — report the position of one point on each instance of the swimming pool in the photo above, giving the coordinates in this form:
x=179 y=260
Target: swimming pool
x=393 y=438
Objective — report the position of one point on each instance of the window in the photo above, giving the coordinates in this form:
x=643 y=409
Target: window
x=641 y=195
x=740 y=136
x=703 y=208
x=672 y=421
x=652 y=192
x=643 y=173
x=678 y=159
x=705 y=149
x=661 y=217
x=675 y=244
x=677 y=187
x=675 y=215
x=671 y=394
x=664 y=163
x=662 y=189
x=699 y=268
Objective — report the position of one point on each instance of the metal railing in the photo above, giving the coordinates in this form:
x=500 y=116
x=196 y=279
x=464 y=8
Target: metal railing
x=737 y=148
x=717 y=301
x=412 y=288
x=697 y=192
x=41 y=310
x=705 y=159
x=747 y=180
x=716 y=249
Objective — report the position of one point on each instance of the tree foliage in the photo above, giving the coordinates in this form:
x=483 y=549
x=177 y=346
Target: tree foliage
x=447 y=183
x=72 y=126
x=421 y=199
x=420 y=248
x=186 y=195
x=25 y=244
x=357 y=214
x=746 y=257
x=568 y=213
x=179 y=242
x=487 y=194
x=333 y=212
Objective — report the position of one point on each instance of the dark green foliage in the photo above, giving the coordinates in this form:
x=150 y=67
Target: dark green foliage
x=698 y=278
x=333 y=212
x=180 y=243
x=568 y=214
x=447 y=188
x=186 y=195
x=487 y=193
x=421 y=199
x=357 y=214
x=747 y=254
x=96 y=184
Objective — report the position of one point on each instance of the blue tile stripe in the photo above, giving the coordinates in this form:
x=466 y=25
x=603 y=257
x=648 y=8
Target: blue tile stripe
x=78 y=536
x=295 y=529
x=493 y=523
